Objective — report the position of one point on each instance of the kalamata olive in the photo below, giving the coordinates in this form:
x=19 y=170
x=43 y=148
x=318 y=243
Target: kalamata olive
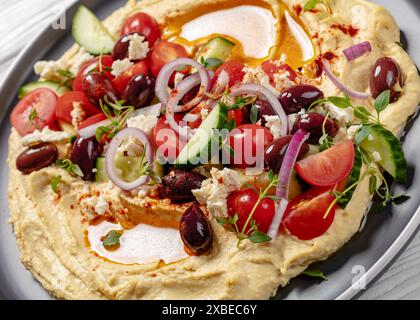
x=96 y=86
x=196 y=231
x=84 y=154
x=120 y=51
x=386 y=75
x=177 y=185
x=299 y=96
x=36 y=157
x=264 y=109
x=274 y=152
x=140 y=91
x=312 y=122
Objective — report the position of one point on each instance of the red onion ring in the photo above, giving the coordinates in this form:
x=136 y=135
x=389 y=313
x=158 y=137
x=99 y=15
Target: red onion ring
x=112 y=152
x=357 y=50
x=221 y=82
x=191 y=117
x=167 y=71
x=340 y=85
x=90 y=131
x=258 y=90
x=285 y=175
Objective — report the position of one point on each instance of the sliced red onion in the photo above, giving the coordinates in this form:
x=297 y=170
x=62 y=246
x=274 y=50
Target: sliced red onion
x=111 y=153
x=258 y=90
x=357 y=50
x=91 y=130
x=340 y=85
x=191 y=117
x=285 y=175
x=169 y=68
x=221 y=82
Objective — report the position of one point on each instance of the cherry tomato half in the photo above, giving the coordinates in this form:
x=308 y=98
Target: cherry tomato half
x=166 y=139
x=121 y=82
x=328 y=167
x=271 y=69
x=142 y=23
x=90 y=66
x=234 y=70
x=164 y=52
x=65 y=105
x=248 y=141
x=243 y=201
x=35 y=111
x=92 y=120
x=304 y=216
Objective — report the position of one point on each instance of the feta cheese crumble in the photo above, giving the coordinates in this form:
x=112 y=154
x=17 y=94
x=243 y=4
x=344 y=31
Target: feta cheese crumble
x=143 y=122
x=81 y=57
x=138 y=48
x=215 y=190
x=342 y=115
x=49 y=70
x=376 y=156
x=352 y=130
x=101 y=206
x=258 y=76
x=274 y=124
x=121 y=66
x=77 y=114
x=46 y=135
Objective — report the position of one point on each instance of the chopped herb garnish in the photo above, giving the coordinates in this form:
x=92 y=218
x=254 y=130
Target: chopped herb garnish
x=253 y=114
x=112 y=238
x=316 y=273
x=70 y=167
x=54 y=184
x=326 y=141
x=33 y=114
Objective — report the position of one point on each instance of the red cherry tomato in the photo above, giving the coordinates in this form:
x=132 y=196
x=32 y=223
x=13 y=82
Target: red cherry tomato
x=243 y=201
x=166 y=139
x=142 y=23
x=234 y=69
x=41 y=105
x=93 y=65
x=121 y=82
x=304 y=216
x=248 y=141
x=65 y=105
x=164 y=52
x=328 y=167
x=92 y=120
x=270 y=68
x=239 y=115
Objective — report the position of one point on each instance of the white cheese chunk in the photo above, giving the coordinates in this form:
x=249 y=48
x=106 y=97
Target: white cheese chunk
x=258 y=76
x=81 y=57
x=215 y=190
x=352 y=130
x=77 y=114
x=46 y=135
x=121 y=66
x=143 y=122
x=274 y=124
x=102 y=205
x=138 y=48
x=344 y=116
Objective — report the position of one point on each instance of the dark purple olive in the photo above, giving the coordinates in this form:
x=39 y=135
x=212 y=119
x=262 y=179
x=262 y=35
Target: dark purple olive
x=274 y=152
x=36 y=157
x=196 y=231
x=298 y=97
x=140 y=91
x=312 y=123
x=386 y=75
x=84 y=154
x=120 y=51
x=97 y=86
x=264 y=109
x=177 y=185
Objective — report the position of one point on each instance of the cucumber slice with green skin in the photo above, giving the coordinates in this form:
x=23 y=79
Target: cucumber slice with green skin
x=199 y=149
x=101 y=175
x=217 y=48
x=90 y=33
x=59 y=89
x=353 y=178
x=389 y=148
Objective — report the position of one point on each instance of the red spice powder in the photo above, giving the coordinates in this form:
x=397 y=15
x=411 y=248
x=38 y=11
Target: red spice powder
x=350 y=30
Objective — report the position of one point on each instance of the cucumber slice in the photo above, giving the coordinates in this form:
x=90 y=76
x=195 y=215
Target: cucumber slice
x=389 y=148
x=199 y=148
x=90 y=33
x=217 y=48
x=353 y=178
x=59 y=89
x=101 y=175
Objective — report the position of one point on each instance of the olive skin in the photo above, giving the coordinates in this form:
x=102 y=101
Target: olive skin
x=177 y=185
x=36 y=157
x=386 y=75
x=97 y=86
x=140 y=91
x=84 y=154
x=196 y=231
x=298 y=97
x=120 y=50
x=312 y=123
x=275 y=151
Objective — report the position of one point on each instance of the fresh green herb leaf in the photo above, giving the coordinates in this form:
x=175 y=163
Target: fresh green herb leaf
x=112 y=238
x=310 y=5
x=316 y=273
x=33 y=114
x=70 y=167
x=72 y=139
x=362 y=113
x=372 y=184
x=54 y=184
x=382 y=101
x=258 y=237
x=340 y=102
x=253 y=116
x=362 y=134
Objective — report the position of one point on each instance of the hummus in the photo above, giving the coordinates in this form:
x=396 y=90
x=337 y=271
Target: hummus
x=52 y=230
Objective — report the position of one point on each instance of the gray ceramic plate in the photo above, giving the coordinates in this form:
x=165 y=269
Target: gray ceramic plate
x=385 y=233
